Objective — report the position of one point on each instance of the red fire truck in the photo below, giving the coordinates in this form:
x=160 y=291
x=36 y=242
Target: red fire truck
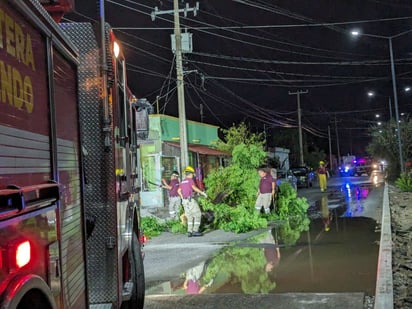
x=69 y=170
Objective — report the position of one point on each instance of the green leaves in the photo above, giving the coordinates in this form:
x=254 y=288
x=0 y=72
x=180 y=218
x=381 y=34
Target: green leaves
x=404 y=182
x=384 y=144
x=152 y=227
x=239 y=266
x=248 y=156
x=234 y=187
x=237 y=135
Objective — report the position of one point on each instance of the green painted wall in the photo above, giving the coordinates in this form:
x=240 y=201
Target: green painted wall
x=166 y=128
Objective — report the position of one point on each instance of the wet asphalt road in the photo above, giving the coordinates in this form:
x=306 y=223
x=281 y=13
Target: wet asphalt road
x=332 y=265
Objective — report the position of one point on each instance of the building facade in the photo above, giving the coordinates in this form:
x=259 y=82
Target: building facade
x=161 y=155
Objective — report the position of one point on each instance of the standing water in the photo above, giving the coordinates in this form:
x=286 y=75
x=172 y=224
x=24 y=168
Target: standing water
x=333 y=249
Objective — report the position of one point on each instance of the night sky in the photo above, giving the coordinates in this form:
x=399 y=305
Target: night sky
x=248 y=55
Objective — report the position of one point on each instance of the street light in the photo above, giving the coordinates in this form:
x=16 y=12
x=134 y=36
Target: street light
x=395 y=95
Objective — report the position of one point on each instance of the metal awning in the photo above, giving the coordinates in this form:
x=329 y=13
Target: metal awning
x=200 y=149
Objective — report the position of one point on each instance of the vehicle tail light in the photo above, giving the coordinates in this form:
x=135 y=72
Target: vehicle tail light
x=23 y=254
x=15 y=255
x=143 y=239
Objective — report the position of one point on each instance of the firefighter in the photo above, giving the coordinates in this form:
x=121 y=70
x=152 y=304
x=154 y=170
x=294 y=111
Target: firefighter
x=322 y=176
x=190 y=205
x=266 y=191
x=174 y=198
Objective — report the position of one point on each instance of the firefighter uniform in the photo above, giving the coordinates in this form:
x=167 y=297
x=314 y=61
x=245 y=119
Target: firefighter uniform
x=322 y=176
x=266 y=192
x=174 y=198
x=190 y=205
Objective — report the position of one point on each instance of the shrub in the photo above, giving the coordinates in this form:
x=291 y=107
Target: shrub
x=243 y=217
x=404 y=182
x=152 y=227
x=176 y=227
x=238 y=219
x=289 y=204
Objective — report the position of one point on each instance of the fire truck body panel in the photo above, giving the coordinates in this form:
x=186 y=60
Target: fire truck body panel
x=103 y=189
x=25 y=143
x=67 y=171
x=66 y=127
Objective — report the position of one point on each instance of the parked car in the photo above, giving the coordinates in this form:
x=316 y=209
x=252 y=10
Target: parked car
x=286 y=176
x=304 y=176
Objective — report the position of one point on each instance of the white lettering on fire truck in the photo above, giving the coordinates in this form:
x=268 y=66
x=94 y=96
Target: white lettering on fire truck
x=16 y=89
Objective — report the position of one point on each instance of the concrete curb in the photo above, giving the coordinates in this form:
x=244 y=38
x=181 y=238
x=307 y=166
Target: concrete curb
x=384 y=281
x=261 y=301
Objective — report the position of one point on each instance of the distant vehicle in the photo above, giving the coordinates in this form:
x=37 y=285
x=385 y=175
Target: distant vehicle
x=365 y=166
x=286 y=176
x=304 y=176
x=347 y=168
x=362 y=168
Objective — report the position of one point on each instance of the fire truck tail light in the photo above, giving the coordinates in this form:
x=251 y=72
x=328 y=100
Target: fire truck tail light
x=23 y=254
x=143 y=239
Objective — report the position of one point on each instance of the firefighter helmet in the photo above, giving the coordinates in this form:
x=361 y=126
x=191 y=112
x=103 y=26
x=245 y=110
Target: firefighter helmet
x=189 y=169
x=321 y=162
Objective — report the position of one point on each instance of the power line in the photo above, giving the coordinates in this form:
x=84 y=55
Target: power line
x=266 y=61
x=219 y=35
x=279 y=72
x=356 y=22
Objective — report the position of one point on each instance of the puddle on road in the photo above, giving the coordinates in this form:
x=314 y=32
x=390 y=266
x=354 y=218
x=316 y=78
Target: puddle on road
x=334 y=249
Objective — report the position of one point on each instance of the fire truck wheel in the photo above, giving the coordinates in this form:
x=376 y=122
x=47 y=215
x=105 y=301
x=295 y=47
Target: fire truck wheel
x=28 y=291
x=34 y=300
x=137 y=269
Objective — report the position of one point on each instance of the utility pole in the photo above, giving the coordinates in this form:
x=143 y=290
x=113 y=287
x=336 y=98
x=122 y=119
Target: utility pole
x=201 y=112
x=184 y=157
x=298 y=93
x=337 y=140
x=395 y=99
x=330 y=149
x=265 y=135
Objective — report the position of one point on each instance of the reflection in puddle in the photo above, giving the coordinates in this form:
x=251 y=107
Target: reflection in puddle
x=355 y=195
x=335 y=251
